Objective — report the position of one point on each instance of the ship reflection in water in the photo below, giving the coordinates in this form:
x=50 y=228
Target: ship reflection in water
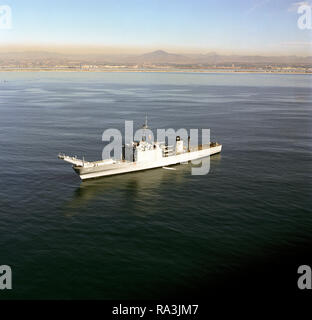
x=132 y=190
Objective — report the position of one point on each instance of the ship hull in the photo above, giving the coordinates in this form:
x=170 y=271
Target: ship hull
x=127 y=167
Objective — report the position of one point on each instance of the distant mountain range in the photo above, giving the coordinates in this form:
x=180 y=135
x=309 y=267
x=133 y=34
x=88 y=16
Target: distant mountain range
x=158 y=57
x=161 y=56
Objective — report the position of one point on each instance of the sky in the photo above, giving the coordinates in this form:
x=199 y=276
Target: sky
x=182 y=26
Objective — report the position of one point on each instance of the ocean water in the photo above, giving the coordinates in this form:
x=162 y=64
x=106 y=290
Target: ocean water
x=158 y=233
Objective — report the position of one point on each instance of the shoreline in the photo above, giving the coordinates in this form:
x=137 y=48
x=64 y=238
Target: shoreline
x=159 y=70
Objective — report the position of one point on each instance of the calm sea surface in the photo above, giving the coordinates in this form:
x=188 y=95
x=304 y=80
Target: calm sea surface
x=155 y=233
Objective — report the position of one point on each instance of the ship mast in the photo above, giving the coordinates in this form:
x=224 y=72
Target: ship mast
x=145 y=126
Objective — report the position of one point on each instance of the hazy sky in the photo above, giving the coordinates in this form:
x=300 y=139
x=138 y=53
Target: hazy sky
x=236 y=26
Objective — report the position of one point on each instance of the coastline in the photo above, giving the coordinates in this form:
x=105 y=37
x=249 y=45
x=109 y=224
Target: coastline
x=157 y=70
